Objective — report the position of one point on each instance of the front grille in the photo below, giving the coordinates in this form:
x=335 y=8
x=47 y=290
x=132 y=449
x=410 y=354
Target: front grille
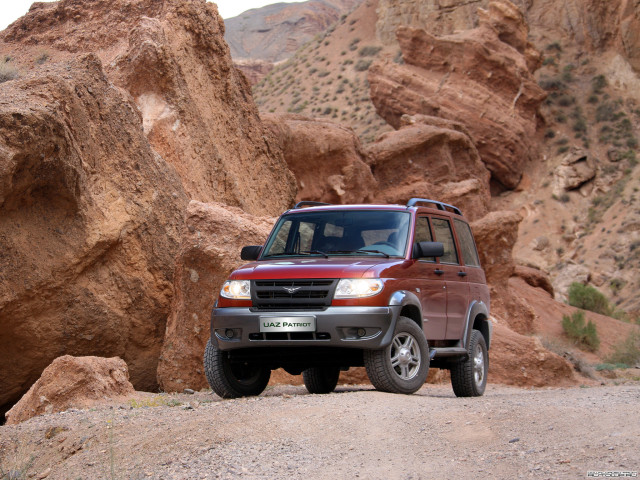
x=308 y=294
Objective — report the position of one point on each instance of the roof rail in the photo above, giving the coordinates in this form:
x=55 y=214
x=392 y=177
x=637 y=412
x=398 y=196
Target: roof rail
x=439 y=205
x=307 y=203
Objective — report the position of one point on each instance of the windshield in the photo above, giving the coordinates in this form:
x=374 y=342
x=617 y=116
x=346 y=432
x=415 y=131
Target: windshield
x=330 y=233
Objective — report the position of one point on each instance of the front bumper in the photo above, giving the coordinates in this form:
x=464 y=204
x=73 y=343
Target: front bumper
x=352 y=327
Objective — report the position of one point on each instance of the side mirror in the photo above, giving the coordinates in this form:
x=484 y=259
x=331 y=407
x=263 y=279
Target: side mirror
x=427 y=249
x=251 y=252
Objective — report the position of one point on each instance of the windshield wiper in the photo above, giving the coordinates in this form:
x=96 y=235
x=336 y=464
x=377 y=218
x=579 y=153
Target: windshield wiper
x=318 y=252
x=360 y=251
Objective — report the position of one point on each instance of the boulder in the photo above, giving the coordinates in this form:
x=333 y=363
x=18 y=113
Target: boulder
x=576 y=168
x=326 y=158
x=522 y=361
x=476 y=78
x=90 y=222
x=535 y=278
x=73 y=382
x=211 y=242
x=430 y=157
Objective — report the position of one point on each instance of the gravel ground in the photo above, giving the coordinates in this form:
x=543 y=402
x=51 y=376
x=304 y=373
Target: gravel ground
x=355 y=432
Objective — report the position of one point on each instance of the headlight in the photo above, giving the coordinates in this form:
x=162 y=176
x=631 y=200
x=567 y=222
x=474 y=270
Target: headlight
x=358 y=287
x=236 y=289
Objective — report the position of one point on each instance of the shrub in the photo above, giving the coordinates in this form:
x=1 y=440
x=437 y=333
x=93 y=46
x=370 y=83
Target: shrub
x=567 y=73
x=608 y=112
x=552 y=84
x=362 y=65
x=565 y=100
x=589 y=298
x=580 y=125
x=554 y=46
x=627 y=351
x=42 y=58
x=7 y=72
x=598 y=83
x=369 y=51
x=585 y=336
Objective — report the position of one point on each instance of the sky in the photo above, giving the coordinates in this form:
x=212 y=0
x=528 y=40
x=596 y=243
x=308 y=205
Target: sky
x=11 y=10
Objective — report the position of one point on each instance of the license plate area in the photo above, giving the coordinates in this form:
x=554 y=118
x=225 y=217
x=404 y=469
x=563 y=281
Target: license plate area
x=287 y=324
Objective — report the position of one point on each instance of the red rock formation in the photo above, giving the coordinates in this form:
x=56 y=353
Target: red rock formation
x=90 y=220
x=210 y=251
x=96 y=167
x=430 y=157
x=495 y=235
x=196 y=108
x=522 y=361
x=73 y=382
x=474 y=78
x=325 y=157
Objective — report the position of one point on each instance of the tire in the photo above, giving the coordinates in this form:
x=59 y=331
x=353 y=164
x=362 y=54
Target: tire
x=403 y=366
x=321 y=379
x=230 y=380
x=469 y=378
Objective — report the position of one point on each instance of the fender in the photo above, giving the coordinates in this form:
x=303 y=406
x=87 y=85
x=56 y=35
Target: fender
x=403 y=298
x=477 y=308
x=397 y=302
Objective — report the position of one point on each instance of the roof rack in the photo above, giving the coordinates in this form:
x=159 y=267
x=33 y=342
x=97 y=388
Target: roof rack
x=307 y=203
x=439 y=205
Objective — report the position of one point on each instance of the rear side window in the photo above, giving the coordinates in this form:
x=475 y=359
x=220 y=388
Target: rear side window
x=467 y=245
x=442 y=230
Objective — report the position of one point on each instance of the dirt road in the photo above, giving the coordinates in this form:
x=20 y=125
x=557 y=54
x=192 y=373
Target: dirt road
x=353 y=433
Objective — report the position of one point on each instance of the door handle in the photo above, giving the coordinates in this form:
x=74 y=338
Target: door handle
x=462 y=274
x=438 y=271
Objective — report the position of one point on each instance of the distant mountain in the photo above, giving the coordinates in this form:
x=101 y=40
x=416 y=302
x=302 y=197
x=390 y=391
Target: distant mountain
x=274 y=32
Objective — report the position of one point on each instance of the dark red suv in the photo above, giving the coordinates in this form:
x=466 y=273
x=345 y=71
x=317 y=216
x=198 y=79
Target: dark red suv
x=389 y=287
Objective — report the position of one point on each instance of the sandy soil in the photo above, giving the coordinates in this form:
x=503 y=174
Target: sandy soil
x=354 y=432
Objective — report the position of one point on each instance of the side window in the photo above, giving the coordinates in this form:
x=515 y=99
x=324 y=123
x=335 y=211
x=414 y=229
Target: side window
x=442 y=230
x=423 y=234
x=467 y=245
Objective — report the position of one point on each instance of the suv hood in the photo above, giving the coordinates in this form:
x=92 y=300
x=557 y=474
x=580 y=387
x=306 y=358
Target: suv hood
x=313 y=267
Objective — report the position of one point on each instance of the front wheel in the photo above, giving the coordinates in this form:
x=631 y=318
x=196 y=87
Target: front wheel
x=233 y=380
x=469 y=378
x=403 y=366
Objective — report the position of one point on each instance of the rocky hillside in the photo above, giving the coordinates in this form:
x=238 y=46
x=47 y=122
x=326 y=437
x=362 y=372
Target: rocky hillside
x=261 y=37
x=583 y=56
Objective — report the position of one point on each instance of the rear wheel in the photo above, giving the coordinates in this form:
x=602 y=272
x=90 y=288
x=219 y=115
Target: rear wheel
x=469 y=378
x=403 y=366
x=321 y=379
x=233 y=380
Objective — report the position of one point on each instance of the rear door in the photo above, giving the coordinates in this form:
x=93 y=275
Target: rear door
x=432 y=292
x=454 y=276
